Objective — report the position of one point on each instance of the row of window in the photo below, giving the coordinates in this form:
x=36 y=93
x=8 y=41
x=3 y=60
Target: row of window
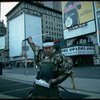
x=54 y=33
x=43 y=10
x=53 y=28
x=37 y=9
x=52 y=38
x=53 y=18
x=52 y=23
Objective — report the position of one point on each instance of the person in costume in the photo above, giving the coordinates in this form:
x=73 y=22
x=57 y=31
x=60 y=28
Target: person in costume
x=54 y=68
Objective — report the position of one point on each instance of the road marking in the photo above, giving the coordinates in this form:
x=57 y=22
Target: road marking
x=17 y=90
x=11 y=85
x=3 y=96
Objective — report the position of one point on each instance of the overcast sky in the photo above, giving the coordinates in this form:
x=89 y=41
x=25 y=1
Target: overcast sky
x=5 y=8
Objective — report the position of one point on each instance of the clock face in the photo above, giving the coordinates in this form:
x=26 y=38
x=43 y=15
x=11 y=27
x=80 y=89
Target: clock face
x=68 y=22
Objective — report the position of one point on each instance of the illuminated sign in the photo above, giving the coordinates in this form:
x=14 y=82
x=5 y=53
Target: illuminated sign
x=78 y=50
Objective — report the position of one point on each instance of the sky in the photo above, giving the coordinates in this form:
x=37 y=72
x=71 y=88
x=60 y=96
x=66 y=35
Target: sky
x=5 y=8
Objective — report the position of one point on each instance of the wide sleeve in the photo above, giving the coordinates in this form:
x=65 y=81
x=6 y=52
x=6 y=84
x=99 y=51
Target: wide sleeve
x=36 y=50
x=63 y=67
x=63 y=64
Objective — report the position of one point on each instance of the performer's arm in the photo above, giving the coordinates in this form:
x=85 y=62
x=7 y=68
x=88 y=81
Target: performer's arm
x=65 y=70
x=31 y=43
x=34 y=48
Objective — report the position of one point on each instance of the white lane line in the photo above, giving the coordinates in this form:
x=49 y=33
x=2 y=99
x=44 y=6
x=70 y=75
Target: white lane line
x=16 y=90
x=11 y=85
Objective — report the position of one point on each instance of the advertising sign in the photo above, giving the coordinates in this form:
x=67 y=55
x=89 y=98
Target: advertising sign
x=78 y=50
x=22 y=27
x=76 y=12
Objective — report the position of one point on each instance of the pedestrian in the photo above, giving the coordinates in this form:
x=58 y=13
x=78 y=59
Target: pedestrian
x=53 y=70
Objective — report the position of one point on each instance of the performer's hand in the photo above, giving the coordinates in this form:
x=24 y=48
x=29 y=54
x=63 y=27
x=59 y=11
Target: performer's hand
x=29 y=39
x=53 y=82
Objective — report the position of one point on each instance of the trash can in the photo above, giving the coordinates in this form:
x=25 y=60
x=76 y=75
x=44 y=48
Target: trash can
x=1 y=66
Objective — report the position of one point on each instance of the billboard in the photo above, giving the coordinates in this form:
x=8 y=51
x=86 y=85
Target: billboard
x=78 y=18
x=76 y=12
x=22 y=27
x=89 y=28
x=33 y=28
x=16 y=35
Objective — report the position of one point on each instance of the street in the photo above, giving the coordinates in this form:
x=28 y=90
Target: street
x=92 y=72
x=85 y=72
x=21 y=90
x=86 y=80
x=52 y=36
x=14 y=88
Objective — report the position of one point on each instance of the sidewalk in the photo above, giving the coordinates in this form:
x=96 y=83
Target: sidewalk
x=90 y=87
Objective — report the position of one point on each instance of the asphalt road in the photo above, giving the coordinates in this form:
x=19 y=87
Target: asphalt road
x=91 y=72
x=14 y=88
x=81 y=71
x=21 y=90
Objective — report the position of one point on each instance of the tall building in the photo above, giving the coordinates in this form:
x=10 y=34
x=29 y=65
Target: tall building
x=51 y=21
x=56 y=5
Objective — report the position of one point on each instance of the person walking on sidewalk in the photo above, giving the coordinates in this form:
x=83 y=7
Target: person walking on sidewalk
x=54 y=68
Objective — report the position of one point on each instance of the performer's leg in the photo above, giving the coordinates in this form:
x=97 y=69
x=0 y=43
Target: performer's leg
x=72 y=79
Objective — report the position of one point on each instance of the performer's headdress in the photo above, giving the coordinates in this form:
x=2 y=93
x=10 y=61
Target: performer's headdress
x=48 y=43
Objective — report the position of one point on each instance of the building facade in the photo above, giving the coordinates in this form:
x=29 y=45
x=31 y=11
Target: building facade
x=56 y=5
x=3 y=52
x=51 y=20
x=81 y=31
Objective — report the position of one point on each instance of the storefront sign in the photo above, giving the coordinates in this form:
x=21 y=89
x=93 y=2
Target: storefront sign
x=78 y=50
